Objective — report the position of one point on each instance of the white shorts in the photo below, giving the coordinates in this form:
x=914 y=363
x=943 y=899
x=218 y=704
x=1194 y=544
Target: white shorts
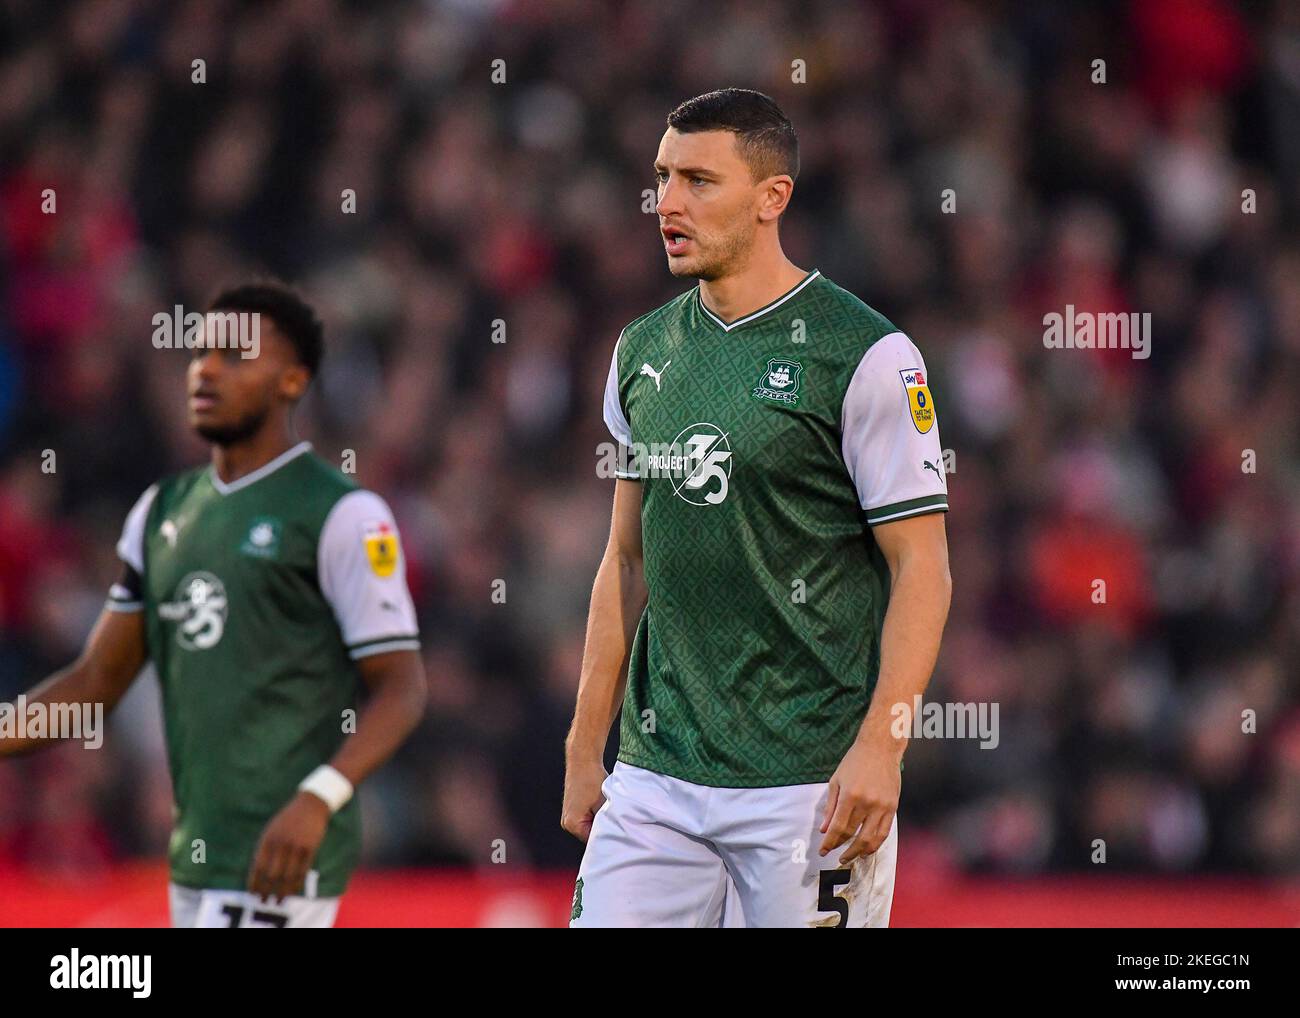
x=205 y=910
x=666 y=852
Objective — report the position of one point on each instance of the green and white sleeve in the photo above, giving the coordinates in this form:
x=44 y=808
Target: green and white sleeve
x=127 y=594
x=891 y=434
x=617 y=421
x=362 y=573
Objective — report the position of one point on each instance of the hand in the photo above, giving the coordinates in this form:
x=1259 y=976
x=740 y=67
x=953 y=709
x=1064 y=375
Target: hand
x=582 y=796
x=863 y=799
x=288 y=846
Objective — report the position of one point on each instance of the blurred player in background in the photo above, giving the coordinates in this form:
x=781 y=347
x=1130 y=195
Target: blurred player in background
x=261 y=586
x=778 y=516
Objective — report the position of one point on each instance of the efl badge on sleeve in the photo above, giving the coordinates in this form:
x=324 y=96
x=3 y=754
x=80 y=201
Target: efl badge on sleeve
x=918 y=399
x=381 y=548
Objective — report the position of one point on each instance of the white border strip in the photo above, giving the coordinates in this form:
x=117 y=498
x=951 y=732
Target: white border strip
x=260 y=472
x=761 y=311
x=384 y=648
x=918 y=511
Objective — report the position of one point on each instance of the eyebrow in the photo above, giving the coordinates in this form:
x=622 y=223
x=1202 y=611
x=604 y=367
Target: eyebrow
x=688 y=171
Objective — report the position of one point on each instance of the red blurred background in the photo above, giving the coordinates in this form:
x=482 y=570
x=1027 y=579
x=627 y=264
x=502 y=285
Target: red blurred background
x=521 y=202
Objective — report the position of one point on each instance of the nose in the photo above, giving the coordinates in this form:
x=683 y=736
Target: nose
x=669 y=198
x=206 y=362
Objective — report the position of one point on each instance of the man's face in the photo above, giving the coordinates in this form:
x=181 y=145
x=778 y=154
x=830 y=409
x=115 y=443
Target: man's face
x=708 y=205
x=231 y=395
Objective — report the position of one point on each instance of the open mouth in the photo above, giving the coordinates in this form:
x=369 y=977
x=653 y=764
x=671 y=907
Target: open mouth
x=675 y=240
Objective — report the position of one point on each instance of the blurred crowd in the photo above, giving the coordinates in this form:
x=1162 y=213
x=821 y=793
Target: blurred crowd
x=1164 y=720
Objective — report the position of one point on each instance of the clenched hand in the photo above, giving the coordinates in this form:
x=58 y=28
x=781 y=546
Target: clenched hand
x=288 y=846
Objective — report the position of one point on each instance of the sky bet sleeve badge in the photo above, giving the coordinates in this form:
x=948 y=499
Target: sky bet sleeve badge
x=780 y=382
x=381 y=548
x=918 y=399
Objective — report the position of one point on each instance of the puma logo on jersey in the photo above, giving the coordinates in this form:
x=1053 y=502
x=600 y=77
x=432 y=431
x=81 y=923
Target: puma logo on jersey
x=646 y=369
x=930 y=466
x=168 y=531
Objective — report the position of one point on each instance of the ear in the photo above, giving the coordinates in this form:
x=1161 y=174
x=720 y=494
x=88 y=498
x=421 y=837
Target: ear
x=774 y=197
x=293 y=382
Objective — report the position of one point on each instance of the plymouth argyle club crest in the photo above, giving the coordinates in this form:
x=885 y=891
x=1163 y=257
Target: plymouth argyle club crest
x=263 y=540
x=780 y=382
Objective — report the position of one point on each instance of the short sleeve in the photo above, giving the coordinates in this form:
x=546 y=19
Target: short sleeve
x=891 y=434
x=126 y=594
x=362 y=574
x=617 y=422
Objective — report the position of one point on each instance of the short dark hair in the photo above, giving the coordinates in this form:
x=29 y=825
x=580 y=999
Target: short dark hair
x=764 y=134
x=281 y=303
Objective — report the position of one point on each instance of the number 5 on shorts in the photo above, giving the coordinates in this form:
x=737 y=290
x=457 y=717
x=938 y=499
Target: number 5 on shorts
x=828 y=900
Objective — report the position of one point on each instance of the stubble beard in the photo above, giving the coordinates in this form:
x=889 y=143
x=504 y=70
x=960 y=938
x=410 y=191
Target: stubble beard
x=724 y=256
x=230 y=434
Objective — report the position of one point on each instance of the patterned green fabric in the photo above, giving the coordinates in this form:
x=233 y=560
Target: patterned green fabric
x=757 y=654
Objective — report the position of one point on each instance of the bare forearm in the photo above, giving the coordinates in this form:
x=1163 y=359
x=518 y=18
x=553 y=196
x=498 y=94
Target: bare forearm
x=98 y=679
x=618 y=598
x=391 y=712
x=71 y=685
x=909 y=646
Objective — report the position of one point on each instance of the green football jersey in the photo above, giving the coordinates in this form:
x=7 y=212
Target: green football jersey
x=259 y=596
x=766 y=449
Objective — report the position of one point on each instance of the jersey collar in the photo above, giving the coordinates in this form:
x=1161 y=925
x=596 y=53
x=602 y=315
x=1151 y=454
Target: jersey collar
x=252 y=477
x=725 y=327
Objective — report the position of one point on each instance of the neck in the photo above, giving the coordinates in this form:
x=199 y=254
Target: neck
x=765 y=276
x=231 y=462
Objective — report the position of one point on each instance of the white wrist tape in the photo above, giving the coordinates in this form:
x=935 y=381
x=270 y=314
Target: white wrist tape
x=328 y=785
